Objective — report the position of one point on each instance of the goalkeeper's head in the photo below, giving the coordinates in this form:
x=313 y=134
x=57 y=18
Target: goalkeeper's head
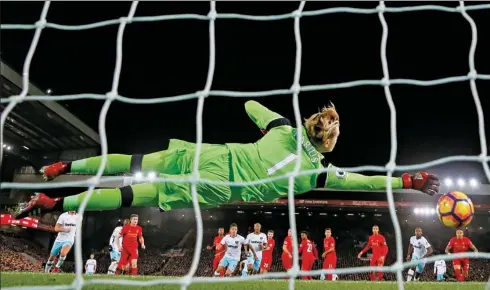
x=323 y=129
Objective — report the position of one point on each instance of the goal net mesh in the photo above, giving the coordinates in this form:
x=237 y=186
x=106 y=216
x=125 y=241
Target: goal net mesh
x=294 y=90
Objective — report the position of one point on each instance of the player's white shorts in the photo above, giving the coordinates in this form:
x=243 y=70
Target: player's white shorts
x=256 y=263
x=115 y=255
x=420 y=266
x=57 y=246
x=228 y=263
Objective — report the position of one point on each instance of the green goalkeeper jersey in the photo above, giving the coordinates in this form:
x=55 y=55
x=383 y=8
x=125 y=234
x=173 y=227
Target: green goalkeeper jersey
x=275 y=154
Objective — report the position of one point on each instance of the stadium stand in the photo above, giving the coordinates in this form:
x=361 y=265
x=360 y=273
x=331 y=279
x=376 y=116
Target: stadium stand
x=173 y=256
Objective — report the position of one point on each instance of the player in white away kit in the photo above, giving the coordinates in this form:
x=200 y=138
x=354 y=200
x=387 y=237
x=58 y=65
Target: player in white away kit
x=418 y=249
x=440 y=269
x=66 y=227
x=233 y=243
x=257 y=241
x=114 y=242
x=91 y=265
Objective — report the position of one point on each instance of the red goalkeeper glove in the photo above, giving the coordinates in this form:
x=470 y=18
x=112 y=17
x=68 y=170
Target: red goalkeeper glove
x=52 y=171
x=422 y=181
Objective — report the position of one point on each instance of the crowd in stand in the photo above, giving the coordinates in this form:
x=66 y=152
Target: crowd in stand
x=17 y=254
x=21 y=254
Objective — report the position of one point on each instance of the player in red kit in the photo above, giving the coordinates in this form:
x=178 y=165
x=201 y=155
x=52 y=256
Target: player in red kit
x=377 y=243
x=460 y=244
x=267 y=253
x=329 y=256
x=219 y=254
x=287 y=251
x=131 y=234
x=309 y=254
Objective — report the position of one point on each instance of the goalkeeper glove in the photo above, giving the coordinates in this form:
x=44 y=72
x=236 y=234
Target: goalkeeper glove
x=422 y=181
x=53 y=170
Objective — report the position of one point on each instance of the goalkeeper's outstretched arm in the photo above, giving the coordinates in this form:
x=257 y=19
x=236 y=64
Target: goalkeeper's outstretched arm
x=421 y=181
x=340 y=179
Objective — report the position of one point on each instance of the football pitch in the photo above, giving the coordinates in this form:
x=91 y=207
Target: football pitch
x=17 y=279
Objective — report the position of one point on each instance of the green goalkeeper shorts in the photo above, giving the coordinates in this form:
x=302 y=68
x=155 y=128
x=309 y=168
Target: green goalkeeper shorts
x=177 y=163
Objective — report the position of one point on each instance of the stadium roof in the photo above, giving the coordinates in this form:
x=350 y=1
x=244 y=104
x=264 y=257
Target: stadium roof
x=40 y=126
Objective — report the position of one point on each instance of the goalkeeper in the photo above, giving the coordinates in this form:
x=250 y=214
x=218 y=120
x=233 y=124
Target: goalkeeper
x=271 y=156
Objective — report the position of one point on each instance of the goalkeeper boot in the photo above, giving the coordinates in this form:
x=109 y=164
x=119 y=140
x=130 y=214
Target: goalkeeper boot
x=38 y=200
x=50 y=172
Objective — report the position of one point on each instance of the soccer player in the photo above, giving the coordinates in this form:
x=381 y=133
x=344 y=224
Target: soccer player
x=258 y=241
x=131 y=235
x=460 y=244
x=267 y=253
x=329 y=256
x=287 y=251
x=418 y=249
x=91 y=265
x=114 y=243
x=440 y=269
x=309 y=254
x=377 y=243
x=234 y=243
x=66 y=227
x=271 y=156
x=219 y=254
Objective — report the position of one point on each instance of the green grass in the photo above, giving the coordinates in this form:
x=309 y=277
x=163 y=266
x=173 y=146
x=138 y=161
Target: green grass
x=13 y=279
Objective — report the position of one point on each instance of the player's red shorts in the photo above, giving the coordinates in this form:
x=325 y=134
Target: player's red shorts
x=330 y=262
x=216 y=261
x=464 y=263
x=287 y=262
x=377 y=261
x=127 y=255
x=266 y=263
x=307 y=264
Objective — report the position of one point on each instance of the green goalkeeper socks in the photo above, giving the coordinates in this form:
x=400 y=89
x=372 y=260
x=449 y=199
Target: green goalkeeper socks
x=116 y=163
x=119 y=163
x=139 y=195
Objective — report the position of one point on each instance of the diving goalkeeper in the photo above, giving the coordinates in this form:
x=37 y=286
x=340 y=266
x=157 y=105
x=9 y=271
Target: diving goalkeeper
x=271 y=156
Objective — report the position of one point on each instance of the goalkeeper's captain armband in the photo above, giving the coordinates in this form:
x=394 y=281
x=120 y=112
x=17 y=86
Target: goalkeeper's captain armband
x=276 y=123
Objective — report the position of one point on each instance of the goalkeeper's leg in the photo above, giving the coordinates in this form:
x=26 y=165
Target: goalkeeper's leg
x=116 y=163
x=165 y=195
x=138 y=195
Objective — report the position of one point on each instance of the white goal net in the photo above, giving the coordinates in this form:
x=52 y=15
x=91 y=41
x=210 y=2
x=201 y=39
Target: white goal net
x=471 y=76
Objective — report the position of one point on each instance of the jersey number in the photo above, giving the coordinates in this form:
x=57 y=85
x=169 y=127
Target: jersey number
x=310 y=248
x=290 y=158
